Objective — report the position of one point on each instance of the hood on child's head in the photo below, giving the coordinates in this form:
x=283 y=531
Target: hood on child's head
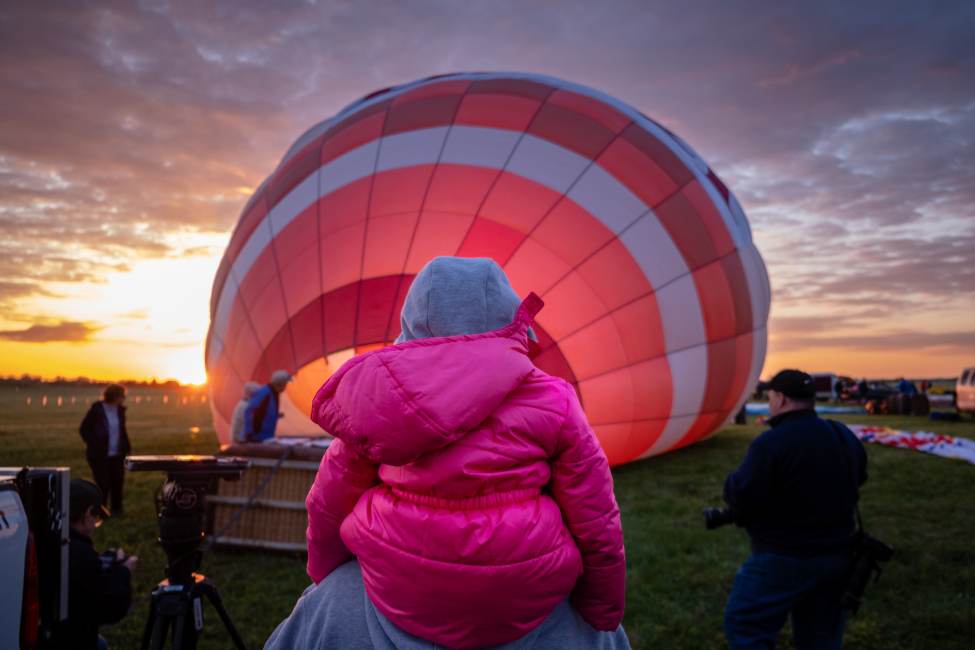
x=457 y=295
x=396 y=404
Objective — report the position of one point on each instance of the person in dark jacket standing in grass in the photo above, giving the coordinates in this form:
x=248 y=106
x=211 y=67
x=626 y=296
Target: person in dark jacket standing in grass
x=796 y=494
x=107 y=441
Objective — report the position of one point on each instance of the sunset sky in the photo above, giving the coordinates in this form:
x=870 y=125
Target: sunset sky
x=131 y=135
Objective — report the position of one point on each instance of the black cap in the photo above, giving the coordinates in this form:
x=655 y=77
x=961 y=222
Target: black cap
x=791 y=383
x=84 y=495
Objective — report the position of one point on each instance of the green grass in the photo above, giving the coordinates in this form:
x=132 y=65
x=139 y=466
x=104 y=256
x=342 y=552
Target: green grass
x=679 y=574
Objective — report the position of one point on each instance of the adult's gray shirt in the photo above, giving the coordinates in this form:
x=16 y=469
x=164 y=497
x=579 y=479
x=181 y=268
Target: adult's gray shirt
x=338 y=614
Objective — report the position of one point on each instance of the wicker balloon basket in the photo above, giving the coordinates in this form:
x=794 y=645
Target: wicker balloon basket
x=266 y=508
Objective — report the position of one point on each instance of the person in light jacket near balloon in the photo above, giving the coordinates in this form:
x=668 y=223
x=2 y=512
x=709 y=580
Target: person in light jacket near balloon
x=107 y=444
x=264 y=409
x=237 y=420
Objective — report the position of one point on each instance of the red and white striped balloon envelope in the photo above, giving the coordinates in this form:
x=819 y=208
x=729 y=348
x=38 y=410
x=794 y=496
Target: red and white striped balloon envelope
x=656 y=298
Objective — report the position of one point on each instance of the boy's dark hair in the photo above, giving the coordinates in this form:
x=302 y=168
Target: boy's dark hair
x=85 y=496
x=113 y=392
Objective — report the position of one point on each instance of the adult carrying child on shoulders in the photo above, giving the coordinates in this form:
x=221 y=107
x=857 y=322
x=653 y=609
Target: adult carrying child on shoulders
x=466 y=481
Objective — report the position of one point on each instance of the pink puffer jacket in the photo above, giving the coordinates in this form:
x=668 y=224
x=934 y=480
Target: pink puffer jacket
x=469 y=486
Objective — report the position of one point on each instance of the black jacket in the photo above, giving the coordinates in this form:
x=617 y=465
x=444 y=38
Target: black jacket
x=798 y=486
x=94 y=431
x=96 y=596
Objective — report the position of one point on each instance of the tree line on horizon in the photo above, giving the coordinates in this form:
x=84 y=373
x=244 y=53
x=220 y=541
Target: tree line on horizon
x=27 y=380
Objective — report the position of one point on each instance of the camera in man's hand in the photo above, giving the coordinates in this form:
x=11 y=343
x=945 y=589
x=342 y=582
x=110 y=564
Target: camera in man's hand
x=717 y=517
x=868 y=557
x=113 y=557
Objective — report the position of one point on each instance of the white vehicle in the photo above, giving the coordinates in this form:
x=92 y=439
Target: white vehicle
x=13 y=553
x=965 y=391
x=33 y=500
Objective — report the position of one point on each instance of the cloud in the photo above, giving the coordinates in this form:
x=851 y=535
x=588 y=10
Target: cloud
x=806 y=325
x=135 y=314
x=906 y=340
x=960 y=341
x=797 y=71
x=10 y=290
x=198 y=251
x=64 y=331
x=852 y=154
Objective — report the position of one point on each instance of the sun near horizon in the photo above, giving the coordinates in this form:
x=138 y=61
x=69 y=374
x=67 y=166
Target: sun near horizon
x=146 y=321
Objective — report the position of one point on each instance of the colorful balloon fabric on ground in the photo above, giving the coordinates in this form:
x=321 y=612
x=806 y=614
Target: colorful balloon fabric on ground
x=656 y=298
x=937 y=444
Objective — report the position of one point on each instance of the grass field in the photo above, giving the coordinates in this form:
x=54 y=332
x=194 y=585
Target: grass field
x=679 y=573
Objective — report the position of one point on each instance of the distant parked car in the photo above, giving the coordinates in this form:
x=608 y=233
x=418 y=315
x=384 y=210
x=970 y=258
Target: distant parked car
x=877 y=392
x=942 y=389
x=13 y=566
x=965 y=391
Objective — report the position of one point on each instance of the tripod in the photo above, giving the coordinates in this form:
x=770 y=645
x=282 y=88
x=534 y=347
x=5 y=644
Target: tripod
x=177 y=602
x=180 y=606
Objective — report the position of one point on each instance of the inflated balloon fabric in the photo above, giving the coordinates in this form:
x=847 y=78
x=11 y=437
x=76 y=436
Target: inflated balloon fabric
x=656 y=298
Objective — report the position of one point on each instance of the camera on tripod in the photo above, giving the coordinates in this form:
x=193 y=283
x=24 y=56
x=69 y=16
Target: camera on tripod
x=181 y=504
x=181 y=512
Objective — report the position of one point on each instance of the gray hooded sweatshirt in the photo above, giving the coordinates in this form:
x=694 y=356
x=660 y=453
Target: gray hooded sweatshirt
x=337 y=614
x=458 y=295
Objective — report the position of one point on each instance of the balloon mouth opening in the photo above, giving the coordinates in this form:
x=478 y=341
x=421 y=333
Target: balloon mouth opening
x=309 y=378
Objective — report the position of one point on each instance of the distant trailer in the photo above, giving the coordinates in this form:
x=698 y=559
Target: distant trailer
x=965 y=391
x=825 y=383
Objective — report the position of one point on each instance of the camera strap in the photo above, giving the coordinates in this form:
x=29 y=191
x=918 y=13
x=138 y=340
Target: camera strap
x=851 y=472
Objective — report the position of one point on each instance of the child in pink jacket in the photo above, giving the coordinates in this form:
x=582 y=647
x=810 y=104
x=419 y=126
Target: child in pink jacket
x=466 y=481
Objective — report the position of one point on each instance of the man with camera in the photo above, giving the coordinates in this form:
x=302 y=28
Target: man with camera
x=99 y=586
x=796 y=494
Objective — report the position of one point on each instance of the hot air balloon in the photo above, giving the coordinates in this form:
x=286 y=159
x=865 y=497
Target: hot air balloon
x=656 y=298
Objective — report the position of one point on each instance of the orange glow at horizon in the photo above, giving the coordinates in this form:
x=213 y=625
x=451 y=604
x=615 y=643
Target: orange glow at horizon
x=149 y=321
x=107 y=359
x=872 y=364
